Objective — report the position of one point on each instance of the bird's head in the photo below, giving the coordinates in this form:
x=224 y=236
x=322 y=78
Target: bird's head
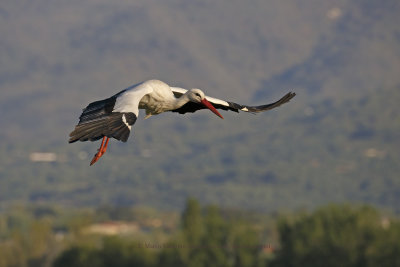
x=197 y=96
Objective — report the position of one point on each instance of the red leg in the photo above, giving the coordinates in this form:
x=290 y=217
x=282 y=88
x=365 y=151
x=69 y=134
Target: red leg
x=102 y=143
x=100 y=151
x=105 y=145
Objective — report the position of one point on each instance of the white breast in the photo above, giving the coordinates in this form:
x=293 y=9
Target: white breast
x=159 y=100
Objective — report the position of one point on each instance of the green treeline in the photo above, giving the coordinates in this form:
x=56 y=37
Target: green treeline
x=333 y=235
x=205 y=239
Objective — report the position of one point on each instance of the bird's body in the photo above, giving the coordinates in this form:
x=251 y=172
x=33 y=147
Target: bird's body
x=113 y=117
x=154 y=96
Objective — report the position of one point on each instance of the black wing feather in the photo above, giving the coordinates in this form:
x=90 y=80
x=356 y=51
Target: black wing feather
x=98 y=120
x=192 y=107
x=99 y=108
x=116 y=125
x=286 y=98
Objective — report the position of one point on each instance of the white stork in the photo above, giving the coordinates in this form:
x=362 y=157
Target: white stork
x=113 y=117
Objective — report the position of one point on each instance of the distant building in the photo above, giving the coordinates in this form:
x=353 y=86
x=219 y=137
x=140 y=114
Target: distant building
x=43 y=157
x=111 y=228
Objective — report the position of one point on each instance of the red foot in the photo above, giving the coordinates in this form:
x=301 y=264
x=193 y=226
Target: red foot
x=100 y=151
x=96 y=157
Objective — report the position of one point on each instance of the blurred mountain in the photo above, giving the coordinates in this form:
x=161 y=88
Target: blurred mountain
x=336 y=141
x=358 y=54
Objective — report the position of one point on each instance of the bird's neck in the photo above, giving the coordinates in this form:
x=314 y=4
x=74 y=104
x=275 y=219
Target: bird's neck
x=179 y=102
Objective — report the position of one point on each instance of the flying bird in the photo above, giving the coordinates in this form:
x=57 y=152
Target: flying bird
x=113 y=117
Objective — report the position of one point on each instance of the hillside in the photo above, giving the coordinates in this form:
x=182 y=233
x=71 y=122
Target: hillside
x=336 y=141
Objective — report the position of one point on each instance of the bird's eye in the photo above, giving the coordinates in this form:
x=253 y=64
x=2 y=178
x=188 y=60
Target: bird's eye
x=197 y=94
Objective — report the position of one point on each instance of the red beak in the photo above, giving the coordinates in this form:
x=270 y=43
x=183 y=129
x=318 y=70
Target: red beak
x=211 y=107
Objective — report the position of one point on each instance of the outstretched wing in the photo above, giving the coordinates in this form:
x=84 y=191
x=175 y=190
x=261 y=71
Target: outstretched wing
x=111 y=117
x=226 y=105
